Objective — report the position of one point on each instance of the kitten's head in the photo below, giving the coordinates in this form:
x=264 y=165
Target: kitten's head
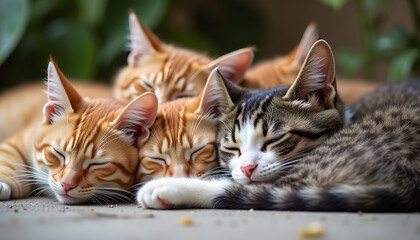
x=265 y=132
x=182 y=138
x=87 y=147
x=171 y=72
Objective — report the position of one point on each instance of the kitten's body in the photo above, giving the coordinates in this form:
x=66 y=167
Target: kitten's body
x=294 y=147
x=82 y=151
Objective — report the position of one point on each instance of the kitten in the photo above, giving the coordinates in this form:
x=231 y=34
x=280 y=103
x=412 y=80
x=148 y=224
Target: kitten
x=84 y=150
x=289 y=149
x=171 y=72
x=182 y=137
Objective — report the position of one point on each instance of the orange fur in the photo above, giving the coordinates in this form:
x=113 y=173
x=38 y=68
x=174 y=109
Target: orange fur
x=83 y=150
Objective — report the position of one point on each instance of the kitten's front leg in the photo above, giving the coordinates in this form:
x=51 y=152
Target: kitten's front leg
x=166 y=193
x=13 y=157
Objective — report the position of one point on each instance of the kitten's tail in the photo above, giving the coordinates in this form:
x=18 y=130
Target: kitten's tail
x=340 y=198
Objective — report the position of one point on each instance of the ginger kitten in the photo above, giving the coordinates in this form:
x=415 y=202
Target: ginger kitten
x=84 y=150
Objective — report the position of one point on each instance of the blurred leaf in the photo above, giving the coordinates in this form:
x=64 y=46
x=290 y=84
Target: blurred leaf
x=402 y=65
x=393 y=41
x=242 y=24
x=372 y=6
x=13 y=20
x=74 y=48
x=349 y=62
x=116 y=23
x=336 y=4
x=193 y=40
x=91 y=12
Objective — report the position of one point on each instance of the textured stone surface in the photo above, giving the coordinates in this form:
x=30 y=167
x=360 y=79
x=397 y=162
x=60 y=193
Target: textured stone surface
x=44 y=218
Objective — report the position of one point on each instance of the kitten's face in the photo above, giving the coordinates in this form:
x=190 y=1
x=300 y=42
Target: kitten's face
x=181 y=142
x=86 y=159
x=267 y=131
x=264 y=136
x=171 y=73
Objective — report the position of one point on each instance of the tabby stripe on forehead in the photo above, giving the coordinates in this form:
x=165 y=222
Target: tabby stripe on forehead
x=237 y=123
x=262 y=110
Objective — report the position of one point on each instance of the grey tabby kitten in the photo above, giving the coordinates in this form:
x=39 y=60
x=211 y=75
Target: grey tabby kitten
x=290 y=149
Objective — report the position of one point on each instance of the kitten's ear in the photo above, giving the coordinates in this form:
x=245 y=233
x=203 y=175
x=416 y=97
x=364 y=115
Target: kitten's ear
x=310 y=36
x=316 y=83
x=218 y=95
x=234 y=65
x=62 y=96
x=143 y=41
x=137 y=117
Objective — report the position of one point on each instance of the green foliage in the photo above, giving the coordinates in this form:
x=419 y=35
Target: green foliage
x=336 y=4
x=13 y=21
x=89 y=38
x=398 y=46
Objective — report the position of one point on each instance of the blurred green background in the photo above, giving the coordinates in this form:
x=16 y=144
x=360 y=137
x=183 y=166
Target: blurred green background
x=377 y=40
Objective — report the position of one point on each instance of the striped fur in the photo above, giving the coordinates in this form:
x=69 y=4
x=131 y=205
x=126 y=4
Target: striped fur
x=82 y=151
x=171 y=72
x=298 y=155
x=182 y=139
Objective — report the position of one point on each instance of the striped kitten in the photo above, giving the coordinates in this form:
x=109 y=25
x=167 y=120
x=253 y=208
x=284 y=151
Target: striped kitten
x=171 y=72
x=182 y=137
x=82 y=151
x=287 y=149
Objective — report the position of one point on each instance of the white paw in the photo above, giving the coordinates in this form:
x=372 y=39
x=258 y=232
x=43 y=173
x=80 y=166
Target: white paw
x=162 y=193
x=166 y=193
x=5 y=191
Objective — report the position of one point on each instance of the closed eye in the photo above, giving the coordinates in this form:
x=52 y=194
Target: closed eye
x=196 y=152
x=97 y=164
x=271 y=142
x=58 y=154
x=157 y=159
x=236 y=150
x=147 y=84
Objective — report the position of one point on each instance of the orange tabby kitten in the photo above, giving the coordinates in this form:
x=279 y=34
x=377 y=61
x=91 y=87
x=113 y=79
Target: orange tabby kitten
x=171 y=72
x=82 y=151
x=182 y=138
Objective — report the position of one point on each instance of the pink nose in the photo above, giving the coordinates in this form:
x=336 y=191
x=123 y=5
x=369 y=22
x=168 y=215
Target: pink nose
x=248 y=170
x=67 y=187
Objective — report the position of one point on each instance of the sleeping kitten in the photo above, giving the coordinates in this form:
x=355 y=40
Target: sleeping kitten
x=84 y=150
x=289 y=149
x=182 y=137
x=171 y=72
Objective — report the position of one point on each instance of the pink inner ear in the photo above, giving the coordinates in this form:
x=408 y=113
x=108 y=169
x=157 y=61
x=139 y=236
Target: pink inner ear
x=235 y=67
x=51 y=109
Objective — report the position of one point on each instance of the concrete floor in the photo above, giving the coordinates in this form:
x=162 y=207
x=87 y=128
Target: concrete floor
x=44 y=218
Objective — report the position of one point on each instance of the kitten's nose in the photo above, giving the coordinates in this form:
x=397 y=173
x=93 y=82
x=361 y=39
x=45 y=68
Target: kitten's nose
x=248 y=170
x=67 y=187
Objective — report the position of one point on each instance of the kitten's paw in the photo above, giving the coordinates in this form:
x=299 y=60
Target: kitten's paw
x=5 y=191
x=165 y=193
